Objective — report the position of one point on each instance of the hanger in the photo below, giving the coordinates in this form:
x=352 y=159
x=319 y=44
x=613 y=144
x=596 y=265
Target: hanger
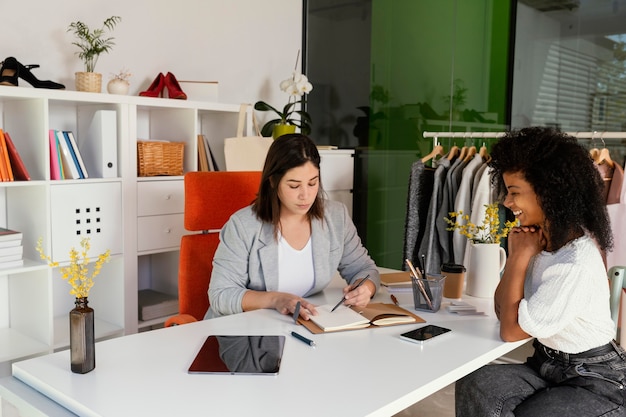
x=593 y=152
x=437 y=151
x=471 y=151
x=453 y=152
x=604 y=156
x=483 y=151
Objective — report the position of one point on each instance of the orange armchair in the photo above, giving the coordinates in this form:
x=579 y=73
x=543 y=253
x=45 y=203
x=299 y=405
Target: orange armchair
x=210 y=199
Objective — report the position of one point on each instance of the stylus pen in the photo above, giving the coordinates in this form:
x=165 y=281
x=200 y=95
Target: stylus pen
x=303 y=339
x=351 y=289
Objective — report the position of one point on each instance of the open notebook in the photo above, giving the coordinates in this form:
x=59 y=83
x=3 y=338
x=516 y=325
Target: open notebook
x=349 y=318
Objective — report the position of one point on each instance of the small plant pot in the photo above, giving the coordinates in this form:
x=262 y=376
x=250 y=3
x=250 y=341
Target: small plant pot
x=281 y=129
x=89 y=81
x=117 y=86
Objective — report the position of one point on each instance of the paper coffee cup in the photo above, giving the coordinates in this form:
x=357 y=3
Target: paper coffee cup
x=455 y=280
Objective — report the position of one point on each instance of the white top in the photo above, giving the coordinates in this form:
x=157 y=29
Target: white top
x=295 y=268
x=566 y=298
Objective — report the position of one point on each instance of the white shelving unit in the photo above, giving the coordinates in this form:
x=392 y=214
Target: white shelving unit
x=139 y=218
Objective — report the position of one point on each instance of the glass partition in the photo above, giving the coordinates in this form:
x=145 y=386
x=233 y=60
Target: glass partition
x=569 y=69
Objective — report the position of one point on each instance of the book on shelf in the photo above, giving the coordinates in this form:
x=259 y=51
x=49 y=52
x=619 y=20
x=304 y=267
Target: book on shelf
x=212 y=155
x=11 y=253
x=353 y=318
x=154 y=304
x=10 y=235
x=206 y=159
x=209 y=154
x=17 y=164
x=70 y=169
x=11 y=264
x=203 y=163
x=10 y=243
x=76 y=156
x=55 y=160
x=5 y=166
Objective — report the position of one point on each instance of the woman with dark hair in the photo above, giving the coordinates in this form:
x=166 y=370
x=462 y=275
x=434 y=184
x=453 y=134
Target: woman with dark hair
x=290 y=242
x=554 y=287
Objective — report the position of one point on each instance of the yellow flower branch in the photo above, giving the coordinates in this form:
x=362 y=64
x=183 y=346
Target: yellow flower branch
x=77 y=272
x=488 y=232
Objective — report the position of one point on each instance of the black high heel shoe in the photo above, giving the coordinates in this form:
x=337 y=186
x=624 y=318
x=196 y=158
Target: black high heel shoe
x=9 y=72
x=15 y=70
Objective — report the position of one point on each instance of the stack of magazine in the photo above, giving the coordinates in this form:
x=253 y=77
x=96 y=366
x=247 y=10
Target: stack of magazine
x=11 y=249
x=154 y=304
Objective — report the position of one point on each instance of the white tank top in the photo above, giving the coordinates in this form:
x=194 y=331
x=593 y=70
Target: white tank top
x=295 y=268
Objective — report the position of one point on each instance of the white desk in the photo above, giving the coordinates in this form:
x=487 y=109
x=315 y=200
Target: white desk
x=357 y=373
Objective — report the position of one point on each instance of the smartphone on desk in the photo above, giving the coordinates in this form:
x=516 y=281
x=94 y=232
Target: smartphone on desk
x=424 y=334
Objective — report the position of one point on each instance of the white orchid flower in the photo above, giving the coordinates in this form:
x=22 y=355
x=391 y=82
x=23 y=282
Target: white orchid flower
x=296 y=86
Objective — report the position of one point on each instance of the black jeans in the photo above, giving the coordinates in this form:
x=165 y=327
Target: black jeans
x=550 y=383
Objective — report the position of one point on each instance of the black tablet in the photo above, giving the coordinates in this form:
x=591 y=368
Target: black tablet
x=239 y=355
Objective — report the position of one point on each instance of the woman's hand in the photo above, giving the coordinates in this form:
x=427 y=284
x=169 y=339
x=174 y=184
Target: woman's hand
x=286 y=304
x=526 y=241
x=360 y=296
x=283 y=302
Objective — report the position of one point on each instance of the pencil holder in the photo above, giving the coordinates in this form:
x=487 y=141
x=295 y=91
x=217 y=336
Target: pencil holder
x=433 y=287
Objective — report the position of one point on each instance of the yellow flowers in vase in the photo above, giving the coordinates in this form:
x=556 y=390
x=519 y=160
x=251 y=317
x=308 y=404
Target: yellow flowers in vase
x=488 y=232
x=77 y=272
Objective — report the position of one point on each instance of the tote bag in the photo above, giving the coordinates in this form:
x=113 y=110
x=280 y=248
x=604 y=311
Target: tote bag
x=246 y=153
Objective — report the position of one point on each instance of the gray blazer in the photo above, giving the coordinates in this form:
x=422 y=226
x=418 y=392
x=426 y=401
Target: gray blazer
x=247 y=257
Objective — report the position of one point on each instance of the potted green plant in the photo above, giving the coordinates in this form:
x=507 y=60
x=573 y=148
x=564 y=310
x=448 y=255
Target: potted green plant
x=458 y=98
x=296 y=86
x=92 y=43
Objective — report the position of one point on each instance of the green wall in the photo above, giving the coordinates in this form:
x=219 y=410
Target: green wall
x=421 y=50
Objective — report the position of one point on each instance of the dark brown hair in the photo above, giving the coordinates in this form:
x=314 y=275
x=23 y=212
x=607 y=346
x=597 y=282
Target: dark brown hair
x=287 y=152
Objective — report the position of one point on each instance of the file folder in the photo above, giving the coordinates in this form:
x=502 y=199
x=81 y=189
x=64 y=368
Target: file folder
x=99 y=145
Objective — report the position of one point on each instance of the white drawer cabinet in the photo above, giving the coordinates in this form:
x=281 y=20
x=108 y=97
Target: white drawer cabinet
x=160 y=197
x=337 y=172
x=160 y=207
x=159 y=232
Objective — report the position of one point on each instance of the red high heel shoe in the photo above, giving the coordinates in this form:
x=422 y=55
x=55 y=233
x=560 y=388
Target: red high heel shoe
x=173 y=88
x=156 y=88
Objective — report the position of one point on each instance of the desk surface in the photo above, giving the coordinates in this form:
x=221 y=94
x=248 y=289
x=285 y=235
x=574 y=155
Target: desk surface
x=367 y=372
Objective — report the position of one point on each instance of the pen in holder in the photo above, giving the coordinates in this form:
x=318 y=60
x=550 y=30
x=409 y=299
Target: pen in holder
x=424 y=302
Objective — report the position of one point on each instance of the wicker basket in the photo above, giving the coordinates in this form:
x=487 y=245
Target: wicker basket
x=89 y=81
x=159 y=158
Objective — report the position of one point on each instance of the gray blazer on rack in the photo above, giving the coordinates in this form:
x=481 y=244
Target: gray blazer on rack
x=247 y=257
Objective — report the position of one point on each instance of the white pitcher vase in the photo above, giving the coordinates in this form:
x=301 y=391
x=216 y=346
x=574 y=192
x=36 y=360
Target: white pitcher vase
x=486 y=262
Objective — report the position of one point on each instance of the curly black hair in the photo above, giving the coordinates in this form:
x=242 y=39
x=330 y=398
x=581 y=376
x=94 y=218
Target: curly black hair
x=563 y=175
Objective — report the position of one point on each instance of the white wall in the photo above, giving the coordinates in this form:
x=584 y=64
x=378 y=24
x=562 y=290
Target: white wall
x=248 y=46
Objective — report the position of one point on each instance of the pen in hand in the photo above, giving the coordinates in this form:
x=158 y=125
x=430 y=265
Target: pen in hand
x=352 y=289
x=296 y=312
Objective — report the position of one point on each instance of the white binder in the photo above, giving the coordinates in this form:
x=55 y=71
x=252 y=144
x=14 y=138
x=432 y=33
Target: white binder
x=99 y=145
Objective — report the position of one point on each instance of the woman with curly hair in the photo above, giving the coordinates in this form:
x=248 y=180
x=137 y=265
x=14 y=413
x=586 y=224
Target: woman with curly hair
x=553 y=288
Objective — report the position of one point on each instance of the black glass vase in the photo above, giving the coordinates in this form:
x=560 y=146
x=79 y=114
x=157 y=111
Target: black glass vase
x=82 y=338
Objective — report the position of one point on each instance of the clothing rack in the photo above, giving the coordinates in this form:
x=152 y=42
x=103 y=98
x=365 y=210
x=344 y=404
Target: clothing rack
x=462 y=135
x=601 y=135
